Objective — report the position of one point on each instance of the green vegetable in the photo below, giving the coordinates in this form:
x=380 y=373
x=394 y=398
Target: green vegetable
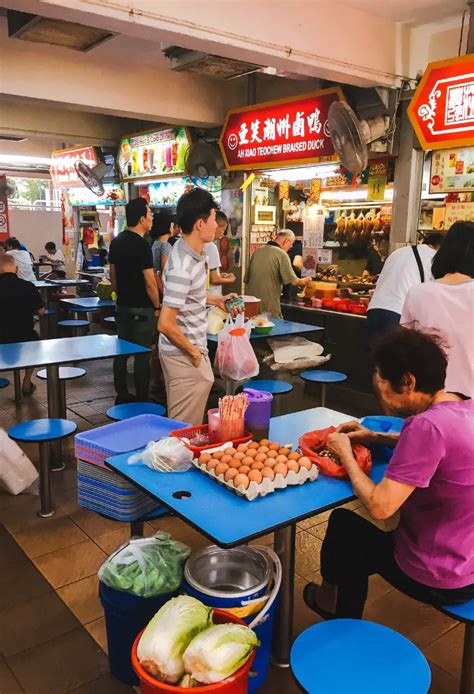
x=218 y=652
x=161 y=647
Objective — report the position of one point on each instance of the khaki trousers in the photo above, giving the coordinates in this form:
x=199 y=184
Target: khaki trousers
x=187 y=387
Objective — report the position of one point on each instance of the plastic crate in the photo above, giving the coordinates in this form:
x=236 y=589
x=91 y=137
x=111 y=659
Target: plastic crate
x=131 y=434
x=189 y=432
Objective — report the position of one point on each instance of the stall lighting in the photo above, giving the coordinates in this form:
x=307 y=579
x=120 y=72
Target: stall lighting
x=350 y=195
x=305 y=173
x=19 y=160
x=147 y=182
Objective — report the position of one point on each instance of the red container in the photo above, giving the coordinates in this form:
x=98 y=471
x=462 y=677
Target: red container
x=329 y=303
x=359 y=309
x=235 y=684
x=343 y=305
x=204 y=429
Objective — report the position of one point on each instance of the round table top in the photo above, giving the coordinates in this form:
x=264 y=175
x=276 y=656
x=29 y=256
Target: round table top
x=66 y=373
x=323 y=376
x=269 y=386
x=133 y=409
x=37 y=430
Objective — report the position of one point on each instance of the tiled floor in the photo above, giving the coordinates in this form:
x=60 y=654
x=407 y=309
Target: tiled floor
x=52 y=633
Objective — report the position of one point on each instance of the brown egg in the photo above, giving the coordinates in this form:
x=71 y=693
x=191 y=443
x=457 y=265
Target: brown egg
x=218 y=455
x=239 y=455
x=272 y=453
x=280 y=469
x=231 y=451
x=244 y=469
x=226 y=459
x=241 y=481
x=212 y=464
x=230 y=474
x=284 y=451
x=204 y=458
x=235 y=463
x=274 y=446
x=260 y=457
x=242 y=447
x=255 y=476
x=252 y=452
x=268 y=472
x=281 y=458
x=263 y=449
x=292 y=465
x=294 y=456
x=248 y=460
x=270 y=462
x=264 y=442
x=305 y=462
x=221 y=469
x=257 y=466
x=253 y=444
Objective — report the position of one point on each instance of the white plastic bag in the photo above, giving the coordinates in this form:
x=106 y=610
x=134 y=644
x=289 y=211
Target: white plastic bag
x=168 y=455
x=17 y=472
x=235 y=357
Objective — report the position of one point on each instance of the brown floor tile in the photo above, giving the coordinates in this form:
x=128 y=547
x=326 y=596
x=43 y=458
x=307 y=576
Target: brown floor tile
x=314 y=520
x=173 y=525
x=66 y=479
x=66 y=501
x=319 y=530
x=442 y=682
x=111 y=541
x=82 y=598
x=303 y=617
x=20 y=583
x=279 y=681
x=446 y=651
x=377 y=588
x=60 y=665
x=264 y=540
x=71 y=563
x=308 y=548
x=97 y=630
x=104 y=685
x=25 y=515
x=10 y=553
x=33 y=623
x=93 y=524
x=40 y=539
x=8 y=683
x=194 y=540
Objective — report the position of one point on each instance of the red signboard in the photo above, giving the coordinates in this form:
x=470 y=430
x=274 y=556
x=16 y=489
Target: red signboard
x=62 y=165
x=4 y=223
x=442 y=109
x=280 y=133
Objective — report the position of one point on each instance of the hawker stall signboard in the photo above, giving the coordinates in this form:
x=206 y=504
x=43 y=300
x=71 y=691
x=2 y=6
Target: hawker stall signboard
x=452 y=170
x=62 y=168
x=442 y=109
x=153 y=154
x=280 y=133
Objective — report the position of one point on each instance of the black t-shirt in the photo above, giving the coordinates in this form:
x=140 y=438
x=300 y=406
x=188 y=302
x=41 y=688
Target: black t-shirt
x=131 y=254
x=19 y=301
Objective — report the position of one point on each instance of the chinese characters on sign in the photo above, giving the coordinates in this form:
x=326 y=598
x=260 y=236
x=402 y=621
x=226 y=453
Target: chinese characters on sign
x=62 y=168
x=313 y=227
x=458 y=212
x=442 y=109
x=293 y=131
x=452 y=170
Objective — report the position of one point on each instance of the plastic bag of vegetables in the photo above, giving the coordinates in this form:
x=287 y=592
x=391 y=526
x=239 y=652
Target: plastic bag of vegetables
x=146 y=566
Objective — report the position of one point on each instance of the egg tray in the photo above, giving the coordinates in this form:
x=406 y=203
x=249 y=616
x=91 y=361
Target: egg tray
x=265 y=487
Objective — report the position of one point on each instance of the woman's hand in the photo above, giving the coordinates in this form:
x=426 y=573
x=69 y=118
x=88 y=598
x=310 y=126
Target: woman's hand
x=356 y=432
x=340 y=446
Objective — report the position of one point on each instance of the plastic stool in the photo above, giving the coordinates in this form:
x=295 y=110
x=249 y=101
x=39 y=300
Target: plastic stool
x=4 y=382
x=43 y=432
x=465 y=613
x=271 y=386
x=66 y=373
x=133 y=409
x=323 y=377
x=77 y=326
x=352 y=655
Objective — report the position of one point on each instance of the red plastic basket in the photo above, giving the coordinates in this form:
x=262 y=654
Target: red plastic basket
x=204 y=429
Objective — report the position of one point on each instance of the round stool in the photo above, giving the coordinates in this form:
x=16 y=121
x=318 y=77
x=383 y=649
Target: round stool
x=323 y=377
x=43 y=432
x=77 y=326
x=351 y=655
x=465 y=613
x=133 y=409
x=269 y=386
x=66 y=373
x=4 y=382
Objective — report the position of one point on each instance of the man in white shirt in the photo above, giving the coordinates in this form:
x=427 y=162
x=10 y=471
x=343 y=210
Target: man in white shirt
x=403 y=269
x=216 y=278
x=22 y=258
x=56 y=257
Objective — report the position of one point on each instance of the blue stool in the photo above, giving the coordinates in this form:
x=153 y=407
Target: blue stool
x=269 y=386
x=465 y=613
x=358 y=657
x=77 y=326
x=4 y=382
x=133 y=409
x=66 y=373
x=323 y=377
x=43 y=432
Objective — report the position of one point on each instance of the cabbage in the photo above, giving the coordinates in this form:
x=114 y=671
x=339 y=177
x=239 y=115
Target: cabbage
x=161 y=647
x=218 y=652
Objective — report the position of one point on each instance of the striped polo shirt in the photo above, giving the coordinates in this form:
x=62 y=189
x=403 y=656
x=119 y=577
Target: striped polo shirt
x=185 y=281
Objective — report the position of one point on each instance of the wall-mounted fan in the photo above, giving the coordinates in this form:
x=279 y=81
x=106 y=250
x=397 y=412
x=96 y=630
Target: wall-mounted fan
x=350 y=136
x=93 y=177
x=204 y=159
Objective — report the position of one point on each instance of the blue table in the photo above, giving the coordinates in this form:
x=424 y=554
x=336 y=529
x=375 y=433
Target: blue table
x=89 y=302
x=282 y=327
x=230 y=520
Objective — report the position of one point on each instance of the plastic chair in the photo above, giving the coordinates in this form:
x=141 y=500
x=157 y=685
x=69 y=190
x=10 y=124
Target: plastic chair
x=133 y=409
x=76 y=326
x=43 y=432
x=323 y=377
x=352 y=655
x=4 y=382
x=269 y=386
x=66 y=373
x=465 y=613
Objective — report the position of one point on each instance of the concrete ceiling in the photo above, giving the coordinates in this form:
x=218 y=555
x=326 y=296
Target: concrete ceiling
x=412 y=12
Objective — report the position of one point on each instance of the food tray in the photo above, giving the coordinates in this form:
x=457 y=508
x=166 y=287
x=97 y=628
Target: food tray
x=203 y=429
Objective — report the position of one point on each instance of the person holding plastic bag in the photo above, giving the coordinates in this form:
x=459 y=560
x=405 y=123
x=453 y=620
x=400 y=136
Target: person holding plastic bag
x=235 y=357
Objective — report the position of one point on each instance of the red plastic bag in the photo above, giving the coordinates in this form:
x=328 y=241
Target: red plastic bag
x=313 y=441
x=235 y=357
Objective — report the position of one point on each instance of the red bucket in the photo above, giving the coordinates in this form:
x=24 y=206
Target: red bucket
x=235 y=684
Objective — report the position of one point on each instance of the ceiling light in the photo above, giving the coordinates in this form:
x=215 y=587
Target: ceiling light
x=304 y=173
x=21 y=160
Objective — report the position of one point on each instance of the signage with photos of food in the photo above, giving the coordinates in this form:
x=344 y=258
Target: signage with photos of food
x=310 y=261
x=114 y=194
x=153 y=154
x=452 y=171
x=458 y=212
x=280 y=133
x=62 y=168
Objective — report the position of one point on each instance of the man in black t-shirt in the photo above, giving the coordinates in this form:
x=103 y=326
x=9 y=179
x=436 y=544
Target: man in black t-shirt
x=19 y=301
x=138 y=303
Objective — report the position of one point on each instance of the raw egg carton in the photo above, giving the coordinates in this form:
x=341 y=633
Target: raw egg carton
x=266 y=486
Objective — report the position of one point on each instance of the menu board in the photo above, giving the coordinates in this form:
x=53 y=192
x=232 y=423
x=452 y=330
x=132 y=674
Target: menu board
x=153 y=154
x=114 y=194
x=313 y=226
x=452 y=170
x=458 y=212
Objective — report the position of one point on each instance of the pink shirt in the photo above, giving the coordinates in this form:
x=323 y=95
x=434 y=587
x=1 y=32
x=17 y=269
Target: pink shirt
x=434 y=541
x=449 y=310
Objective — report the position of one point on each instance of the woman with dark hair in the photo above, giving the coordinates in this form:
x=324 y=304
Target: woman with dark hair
x=446 y=306
x=160 y=234
x=430 y=479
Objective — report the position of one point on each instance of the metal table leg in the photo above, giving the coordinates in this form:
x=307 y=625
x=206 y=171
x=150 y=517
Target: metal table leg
x=467 y=670
x=231 y=386
x=17 y=384
x=47 y=508
x=283 y=630
x=54 y=412
x=323 y=395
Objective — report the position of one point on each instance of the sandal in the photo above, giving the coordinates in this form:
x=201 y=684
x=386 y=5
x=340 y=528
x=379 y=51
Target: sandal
x=28 y=391
x=310 y=600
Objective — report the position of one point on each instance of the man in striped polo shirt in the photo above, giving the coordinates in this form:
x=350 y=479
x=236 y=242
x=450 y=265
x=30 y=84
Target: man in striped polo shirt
x=184 y=355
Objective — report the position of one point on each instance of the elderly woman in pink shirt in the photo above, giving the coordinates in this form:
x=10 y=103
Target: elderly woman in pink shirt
x=446 y=306
x=429 y=479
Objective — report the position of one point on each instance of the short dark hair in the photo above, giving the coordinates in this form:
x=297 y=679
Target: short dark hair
x=135 y=210
x=457 y=252
x=405 y=350
x=434 y=238
x=221 y=217
x=12 y=243
x=50 y=246
x=162 y=221
x=193 y=205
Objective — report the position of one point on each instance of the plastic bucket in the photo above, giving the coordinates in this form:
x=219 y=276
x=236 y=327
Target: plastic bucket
x=242 y=582
x=258 y=412
x=125 y=616
x=235 y=684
